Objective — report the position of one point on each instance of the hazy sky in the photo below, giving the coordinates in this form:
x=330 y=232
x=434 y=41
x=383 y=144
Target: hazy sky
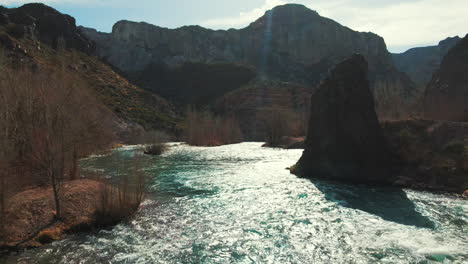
x=403 y=23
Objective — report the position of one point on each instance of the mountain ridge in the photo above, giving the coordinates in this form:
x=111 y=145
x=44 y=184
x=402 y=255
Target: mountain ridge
x=420 y=63
x=446 y=94
x=289 y=43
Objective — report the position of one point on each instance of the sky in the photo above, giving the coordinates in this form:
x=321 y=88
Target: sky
x=402 y=23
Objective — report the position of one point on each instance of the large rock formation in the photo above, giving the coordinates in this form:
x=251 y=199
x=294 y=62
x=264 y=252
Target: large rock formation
x=345 y=141
x=421 y=63
x=47 y=25
x=290 y=43
x=446 y=95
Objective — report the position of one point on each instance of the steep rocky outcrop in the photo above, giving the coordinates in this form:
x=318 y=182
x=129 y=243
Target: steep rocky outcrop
x=446 y=95
x=289 y=43
x=420 y=63
x=345 y=141
x=47 y=25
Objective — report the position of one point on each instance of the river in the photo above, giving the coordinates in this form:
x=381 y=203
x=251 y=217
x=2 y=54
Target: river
x=239 y=204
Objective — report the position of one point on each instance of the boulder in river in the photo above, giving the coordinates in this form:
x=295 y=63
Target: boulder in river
x=345 y=141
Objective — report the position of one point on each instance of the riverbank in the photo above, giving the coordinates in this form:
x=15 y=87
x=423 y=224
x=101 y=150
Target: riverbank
x=30 y=215
x=433 y=154
x=429 y=155
x=237 y=204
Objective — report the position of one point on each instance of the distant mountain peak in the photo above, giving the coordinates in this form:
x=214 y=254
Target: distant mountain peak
x=293 y=11
x=449 y=42
x=288 y=14
x=293 y=8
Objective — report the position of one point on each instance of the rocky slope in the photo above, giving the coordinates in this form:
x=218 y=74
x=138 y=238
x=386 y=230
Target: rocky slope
x=345 y=141
x=290 y=43
x=40 y=38
x=446 y=95
x=256 y=102
x=433 y=154
x=420 y=63
x=194 y=83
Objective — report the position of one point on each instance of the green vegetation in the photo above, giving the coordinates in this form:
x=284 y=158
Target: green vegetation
x=293 y=169
x=456 y=148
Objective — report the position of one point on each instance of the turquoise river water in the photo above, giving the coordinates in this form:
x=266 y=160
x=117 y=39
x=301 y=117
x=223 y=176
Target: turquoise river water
x=239 y=204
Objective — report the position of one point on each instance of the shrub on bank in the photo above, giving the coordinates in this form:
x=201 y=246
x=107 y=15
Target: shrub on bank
x=157 y=142
x=48 y=236
x=155 y=149
x=119 y=200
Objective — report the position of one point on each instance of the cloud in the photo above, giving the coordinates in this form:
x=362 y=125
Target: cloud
x=21 y=2
x=400 y=22
x=48 y=2
x=406 y=23
x=244 y=18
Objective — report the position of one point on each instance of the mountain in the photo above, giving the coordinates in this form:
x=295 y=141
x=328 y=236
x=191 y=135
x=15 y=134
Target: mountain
x=289 y=43
x=420 y=63
x=45 y=24
x=447 y=93
x=40 y=38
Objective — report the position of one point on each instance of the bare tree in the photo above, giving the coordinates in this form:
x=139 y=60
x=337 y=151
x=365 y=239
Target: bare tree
x=281 y=122
x=49 y=120
x=121 y=197
x=205 y=129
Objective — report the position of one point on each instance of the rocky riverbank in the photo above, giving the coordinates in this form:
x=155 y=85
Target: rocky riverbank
x=30 y=217
x=433 y=154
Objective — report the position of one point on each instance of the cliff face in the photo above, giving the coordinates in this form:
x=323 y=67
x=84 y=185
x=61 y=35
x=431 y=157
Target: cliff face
x=446 y=95
x=420 y=63
x=289 y=43
x=345 y=141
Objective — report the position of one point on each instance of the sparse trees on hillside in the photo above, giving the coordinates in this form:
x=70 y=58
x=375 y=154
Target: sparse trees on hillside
x=48 y=121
